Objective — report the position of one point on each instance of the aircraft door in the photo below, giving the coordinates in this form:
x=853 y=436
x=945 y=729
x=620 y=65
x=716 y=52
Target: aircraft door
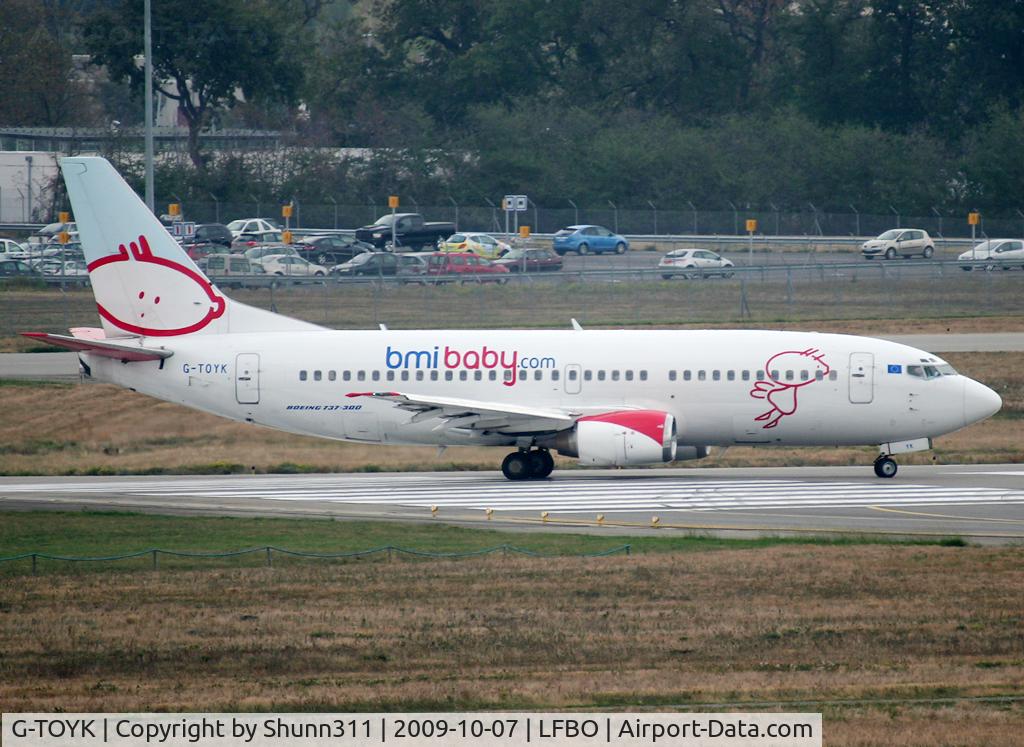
x=573 y=378
x=862 y=378
x=247 y=379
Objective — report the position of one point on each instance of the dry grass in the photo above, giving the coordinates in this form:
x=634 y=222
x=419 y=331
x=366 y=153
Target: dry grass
x=67 y=429
x=790 y=622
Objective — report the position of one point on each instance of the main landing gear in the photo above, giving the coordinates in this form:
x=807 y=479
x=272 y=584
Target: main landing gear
x=885 y=466
x=535 y=464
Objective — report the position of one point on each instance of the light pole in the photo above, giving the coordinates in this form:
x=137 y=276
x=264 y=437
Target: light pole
x=148 y=52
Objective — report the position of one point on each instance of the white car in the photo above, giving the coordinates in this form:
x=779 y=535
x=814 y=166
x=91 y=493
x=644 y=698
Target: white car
x=257 y=253
x=74 y=268
x=988 y=255
x=251 y=227
x=899 y=242
x=11 y=249
x=688 y=263
x=283 y=264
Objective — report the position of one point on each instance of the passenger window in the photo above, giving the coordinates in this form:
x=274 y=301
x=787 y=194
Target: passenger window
x=572 y=374
x=405 y=375
x=492 y=375
x=775 y=374
x=833 y=375
x=760 y=376
x=554 y=375
x=463 y=375
x=600 y=375
x=687 y=375
x=419 y=376
x=317 y=375
x=643 y=376
x=701 y=375
x=478 y=375
x=538 y=375
x=819 y=375
x=745 y=375
x=615 y=375
x=361 y=375
x=332 y=375
x=588 y=375
x=671 y=375
x=346 y=376
x=508 y=374
x=730 y=375
x=302 y=375
x=629 y=375
x=389 y=375
x=449 y=375
x=375 y=375
x=789 y=375
x=716 y=375
x=804 y=376
x=433 y=375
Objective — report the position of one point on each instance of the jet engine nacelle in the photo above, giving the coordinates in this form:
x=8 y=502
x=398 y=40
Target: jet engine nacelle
x=621 y=438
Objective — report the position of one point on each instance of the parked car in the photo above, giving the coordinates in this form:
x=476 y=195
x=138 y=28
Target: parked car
x=464 y=267
x=210 y=233
x=988 y=255
x=251 y=226
x=584 y=239
x=257 y=253
x=481 y=244
x=380 y=264
x=899 y=242
x=284 y=264
x=689 y=263
x=409 y=230
x=249 y=240
x=229 y=264
x=331 y=249
x=530 y=260
x=74 y=268
x=11 y=249
x=16 y=268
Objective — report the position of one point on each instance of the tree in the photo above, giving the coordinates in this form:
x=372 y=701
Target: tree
x=204 y=54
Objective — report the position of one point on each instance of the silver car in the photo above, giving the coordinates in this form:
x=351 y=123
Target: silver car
x=689 y=263
x=899 y=242
x=988 y=255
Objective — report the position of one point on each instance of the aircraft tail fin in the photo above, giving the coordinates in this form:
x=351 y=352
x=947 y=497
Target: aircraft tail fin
x=144 y=282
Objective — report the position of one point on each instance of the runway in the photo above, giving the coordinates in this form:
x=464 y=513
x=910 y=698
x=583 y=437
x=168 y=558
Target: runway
x=981 y=502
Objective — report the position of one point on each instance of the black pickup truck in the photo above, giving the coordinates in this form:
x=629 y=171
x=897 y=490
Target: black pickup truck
x=410 y=231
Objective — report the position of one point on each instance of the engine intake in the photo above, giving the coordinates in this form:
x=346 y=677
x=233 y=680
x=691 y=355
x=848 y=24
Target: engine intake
x=621 y=438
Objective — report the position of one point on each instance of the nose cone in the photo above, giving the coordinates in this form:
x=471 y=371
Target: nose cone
x=980 y=402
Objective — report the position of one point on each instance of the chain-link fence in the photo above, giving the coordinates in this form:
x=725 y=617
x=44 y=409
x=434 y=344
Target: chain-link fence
x=655 y=220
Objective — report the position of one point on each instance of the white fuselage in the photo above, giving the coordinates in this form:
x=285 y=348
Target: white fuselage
x=818 y=389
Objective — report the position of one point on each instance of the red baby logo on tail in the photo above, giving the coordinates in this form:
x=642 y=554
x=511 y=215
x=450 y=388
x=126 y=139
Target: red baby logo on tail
x=144 y=294
x=782 y=394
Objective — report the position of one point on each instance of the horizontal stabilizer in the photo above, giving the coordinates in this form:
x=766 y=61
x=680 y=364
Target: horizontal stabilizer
x=123 y=351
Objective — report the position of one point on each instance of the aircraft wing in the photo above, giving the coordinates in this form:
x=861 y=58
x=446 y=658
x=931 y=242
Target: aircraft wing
x=122 y=350
x=455 y=412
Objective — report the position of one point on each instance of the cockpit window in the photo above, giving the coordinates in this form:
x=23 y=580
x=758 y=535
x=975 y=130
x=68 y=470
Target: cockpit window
x=931 y=372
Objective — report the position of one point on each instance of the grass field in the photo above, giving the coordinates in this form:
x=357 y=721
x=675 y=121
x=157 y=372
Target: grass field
x=101 y=429
x=914 y=630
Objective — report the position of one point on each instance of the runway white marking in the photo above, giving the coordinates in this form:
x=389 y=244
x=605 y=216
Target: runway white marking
x=567 y=494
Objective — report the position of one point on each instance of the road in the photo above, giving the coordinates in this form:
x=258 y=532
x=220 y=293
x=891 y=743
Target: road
x=982 y=502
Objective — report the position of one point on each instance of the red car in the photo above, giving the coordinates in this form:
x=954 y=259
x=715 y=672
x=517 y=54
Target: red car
x=530 y=260
x=463 y=266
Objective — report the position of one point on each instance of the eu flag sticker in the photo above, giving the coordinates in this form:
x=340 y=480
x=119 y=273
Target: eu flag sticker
x=895 y=368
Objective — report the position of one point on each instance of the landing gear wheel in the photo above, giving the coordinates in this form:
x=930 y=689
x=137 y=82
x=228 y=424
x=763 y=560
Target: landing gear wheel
x=885 y=467
x=541 y=464
x=516 y=466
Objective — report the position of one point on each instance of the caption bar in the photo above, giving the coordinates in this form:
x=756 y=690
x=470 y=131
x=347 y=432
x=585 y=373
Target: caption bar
x=410 y=729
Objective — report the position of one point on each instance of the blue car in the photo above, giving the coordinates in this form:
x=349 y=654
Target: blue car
x=586 y=239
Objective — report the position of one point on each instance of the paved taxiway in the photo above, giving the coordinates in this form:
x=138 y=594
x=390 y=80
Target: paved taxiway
x=982 y=502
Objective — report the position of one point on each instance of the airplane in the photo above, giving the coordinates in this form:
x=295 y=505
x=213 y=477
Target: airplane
x=609 y=398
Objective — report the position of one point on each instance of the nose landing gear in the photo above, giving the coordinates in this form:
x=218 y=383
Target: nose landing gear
x=885 y=466
x=528 y=465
